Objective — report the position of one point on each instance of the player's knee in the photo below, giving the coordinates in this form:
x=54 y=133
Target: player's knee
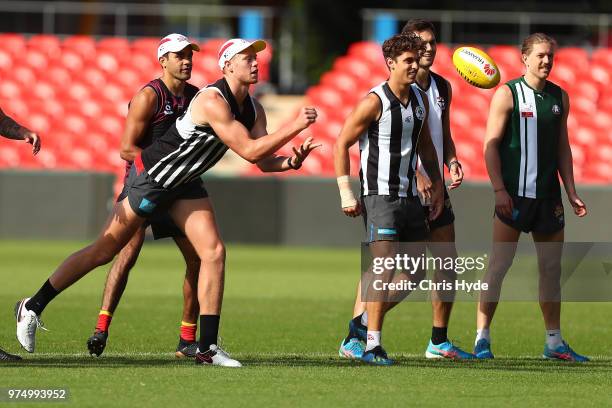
x=102 y=256
x=214 y=254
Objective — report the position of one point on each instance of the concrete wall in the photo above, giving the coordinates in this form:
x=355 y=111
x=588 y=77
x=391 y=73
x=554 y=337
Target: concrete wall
x=292 y=211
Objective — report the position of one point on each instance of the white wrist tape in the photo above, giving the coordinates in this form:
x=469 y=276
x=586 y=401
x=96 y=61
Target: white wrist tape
x=347 y=199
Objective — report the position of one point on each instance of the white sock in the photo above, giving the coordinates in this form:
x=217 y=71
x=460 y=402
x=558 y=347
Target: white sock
x=373 y=340
x=482 y=334
x=364 y=319
x=553 y=338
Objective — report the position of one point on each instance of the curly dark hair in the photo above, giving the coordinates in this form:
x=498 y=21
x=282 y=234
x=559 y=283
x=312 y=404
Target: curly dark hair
x=400 y=43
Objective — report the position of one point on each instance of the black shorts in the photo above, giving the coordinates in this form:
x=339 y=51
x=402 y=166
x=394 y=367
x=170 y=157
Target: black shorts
x=150 y=200
x=447 y=217
x=390 y=218
x=540 y=215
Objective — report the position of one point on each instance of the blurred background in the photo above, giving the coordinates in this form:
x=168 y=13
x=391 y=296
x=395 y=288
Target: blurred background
x=68 y=70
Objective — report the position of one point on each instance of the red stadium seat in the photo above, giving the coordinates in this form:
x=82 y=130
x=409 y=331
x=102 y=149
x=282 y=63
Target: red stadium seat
x=117 y=46
x=13 y=106
x=72 y=61
x=47 y=44
x=43 y=90
x=505 y=55
x=13 y=43
x=324 y=97
x=93 y=77
x=369 y=52
x=107 y=62
x=6 y=61
x=356 y=67
x=129 y=79
x=9 y=157
x=602 y=56
x=147 y=46
x=81 y=44
x=444 y=57
x=212 y=46
x=24 y=75
x=572 y=56
x=58 y=75
x=36 y=60
x=75 y=124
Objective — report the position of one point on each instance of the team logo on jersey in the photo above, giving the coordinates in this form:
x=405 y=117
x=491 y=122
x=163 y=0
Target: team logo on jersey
x=441 y=102
x=556 y=110
x=168 y=109
x=408 y=118
x=420 y=112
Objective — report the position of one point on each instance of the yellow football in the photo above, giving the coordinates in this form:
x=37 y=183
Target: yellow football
x=476 y=67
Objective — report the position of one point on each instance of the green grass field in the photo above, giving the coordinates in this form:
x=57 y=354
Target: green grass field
x=284 y=313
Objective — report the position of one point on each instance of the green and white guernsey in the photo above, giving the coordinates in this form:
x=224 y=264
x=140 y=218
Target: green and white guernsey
x=529 y=148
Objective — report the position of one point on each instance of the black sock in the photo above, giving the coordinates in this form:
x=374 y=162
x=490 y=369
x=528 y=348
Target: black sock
x=209 y=331
x=438 y=335
x=41 y=299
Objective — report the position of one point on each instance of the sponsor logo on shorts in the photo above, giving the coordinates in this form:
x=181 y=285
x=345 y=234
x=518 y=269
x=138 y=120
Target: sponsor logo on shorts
x=386 y=231
x=147 y=206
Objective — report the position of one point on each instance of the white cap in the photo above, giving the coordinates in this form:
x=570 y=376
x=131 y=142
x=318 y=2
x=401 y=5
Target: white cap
x=174 y=43
x=235 y=46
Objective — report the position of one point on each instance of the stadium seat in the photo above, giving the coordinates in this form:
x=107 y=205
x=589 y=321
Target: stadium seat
x=49 y=45
x=212 y=46
x=602 y=56
x=43 y=90
x=147 y=46
x=58 y=75
x=116 y=46
x=72 y=61
x=83 y=45
x=6 y=63
x=107 y=62
x=12 y=43
x=356 y=67
x=36 y=60
x=505 y=55
x=369 y=52
x=571 y=56
x=24 y=75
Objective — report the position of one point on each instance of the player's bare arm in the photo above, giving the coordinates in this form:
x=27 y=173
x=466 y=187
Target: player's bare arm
x=566 y=169
x=499 y=114
x=274 y=163
x=138 y=119
x=210 y=108
x=366 y=112
x=13 y=130
x=429 y=160
x=450 y=152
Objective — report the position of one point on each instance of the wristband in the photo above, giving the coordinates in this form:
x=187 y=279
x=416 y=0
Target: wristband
x=347 y=199
x=291 y=165
x=454 y=162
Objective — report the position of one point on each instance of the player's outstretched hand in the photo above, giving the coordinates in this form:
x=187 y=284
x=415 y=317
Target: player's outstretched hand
x=352 y=211
x=306 y=117
x=503 y=203
x=578 y=205
x=302 y=153
x=456 y=173
x=33 y=139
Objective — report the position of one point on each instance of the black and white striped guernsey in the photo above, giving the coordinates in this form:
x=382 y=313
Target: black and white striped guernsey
x=187 y=149
x=388 y=147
